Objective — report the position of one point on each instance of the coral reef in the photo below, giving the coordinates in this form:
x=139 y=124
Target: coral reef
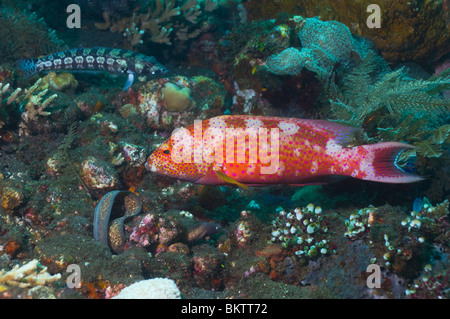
x=173 y=102
x=413 y=30
x=98 y=174
x=164 y=22
x=115 y=8
x=406 y=250
x=73 y=149
x=325 y=45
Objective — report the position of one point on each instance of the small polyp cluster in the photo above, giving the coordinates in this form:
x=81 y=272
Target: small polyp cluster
x=415 y=219
x=303 y=230
x=426 y=219
x=391 y=253
x=357 y=224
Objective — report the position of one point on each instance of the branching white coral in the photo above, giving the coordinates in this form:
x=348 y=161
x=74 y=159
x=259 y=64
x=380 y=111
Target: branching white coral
x=30 y=100
x=28 y=275
x=34 y=106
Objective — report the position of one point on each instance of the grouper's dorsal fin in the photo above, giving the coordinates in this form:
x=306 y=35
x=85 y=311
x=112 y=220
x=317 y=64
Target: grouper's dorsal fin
x=341 y=134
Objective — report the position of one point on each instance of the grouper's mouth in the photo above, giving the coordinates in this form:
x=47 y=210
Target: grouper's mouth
x=150 y=165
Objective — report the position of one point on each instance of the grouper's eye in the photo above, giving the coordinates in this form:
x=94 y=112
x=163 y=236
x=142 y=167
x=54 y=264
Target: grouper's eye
x=166 y=152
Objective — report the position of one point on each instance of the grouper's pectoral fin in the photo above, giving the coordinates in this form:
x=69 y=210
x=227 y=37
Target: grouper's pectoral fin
x=228 y=180
x=129 y=81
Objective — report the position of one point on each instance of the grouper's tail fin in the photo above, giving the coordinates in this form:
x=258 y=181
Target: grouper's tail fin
x=380 y=164
x=28 y=67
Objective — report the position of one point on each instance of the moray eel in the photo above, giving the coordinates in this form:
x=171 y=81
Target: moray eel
x=112 y=234
x=117 y=61
x=203 y=230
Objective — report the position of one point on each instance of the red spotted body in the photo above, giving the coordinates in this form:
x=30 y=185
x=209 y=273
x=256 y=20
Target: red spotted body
x=299 y=152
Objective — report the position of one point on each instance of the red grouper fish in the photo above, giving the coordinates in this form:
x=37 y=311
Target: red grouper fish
x=112 y=60
x=261 y=150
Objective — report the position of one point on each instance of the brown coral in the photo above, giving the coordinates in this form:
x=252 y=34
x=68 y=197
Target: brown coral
x=162 y=22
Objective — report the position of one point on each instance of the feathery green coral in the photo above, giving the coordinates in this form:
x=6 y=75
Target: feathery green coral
x=401 y=108
x=363 y=94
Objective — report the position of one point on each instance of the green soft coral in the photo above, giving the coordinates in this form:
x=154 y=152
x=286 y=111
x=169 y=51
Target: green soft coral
x=398 y=107
x=362 y=95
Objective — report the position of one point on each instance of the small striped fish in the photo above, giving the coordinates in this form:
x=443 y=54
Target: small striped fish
x=95 y=59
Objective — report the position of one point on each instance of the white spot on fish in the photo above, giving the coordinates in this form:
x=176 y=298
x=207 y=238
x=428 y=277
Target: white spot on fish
x=314 y=166
x=217 y=122
x=110 y=61
x=253 y=123
x=366 y=165
x=288 y=128
x=90 y=59
x=79 y=59
x=68 y=60
x=355 y=173
x=317 y=148
x=332 y=148
x=48 y=64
